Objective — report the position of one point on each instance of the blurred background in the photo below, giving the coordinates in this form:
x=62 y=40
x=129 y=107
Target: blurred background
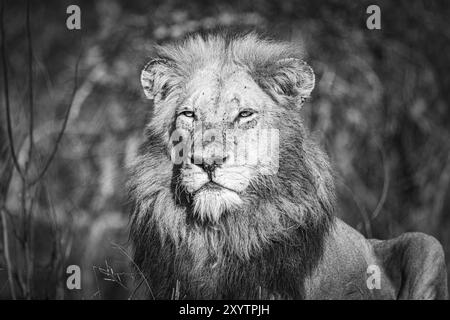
x=380 y=109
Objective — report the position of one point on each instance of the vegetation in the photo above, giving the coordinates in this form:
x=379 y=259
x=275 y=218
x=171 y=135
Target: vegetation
x=380 y=108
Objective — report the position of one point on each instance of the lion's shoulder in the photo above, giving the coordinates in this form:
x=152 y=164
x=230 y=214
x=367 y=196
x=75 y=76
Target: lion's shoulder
x=416 y=260
x=411 y=266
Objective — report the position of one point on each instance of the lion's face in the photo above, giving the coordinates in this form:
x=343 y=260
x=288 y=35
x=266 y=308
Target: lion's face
x=226 y=171
x=221 y=117
x=228 y=130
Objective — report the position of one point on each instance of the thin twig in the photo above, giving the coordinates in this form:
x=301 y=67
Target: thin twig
x=98 y=292
x=30 y=86
x=440 y=195
x=28 y=235
x=6 y=254
x=26 y=241
x=56 y=261
x=362 y=211
x=6 y=91
x=136 y=289
x=64 y=125
x=386 y=183
x=124 y=252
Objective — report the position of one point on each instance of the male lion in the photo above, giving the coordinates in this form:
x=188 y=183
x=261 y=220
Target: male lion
x=206 y=226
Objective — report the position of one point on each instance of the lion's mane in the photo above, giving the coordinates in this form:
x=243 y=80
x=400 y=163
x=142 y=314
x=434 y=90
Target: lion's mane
x=254 y=252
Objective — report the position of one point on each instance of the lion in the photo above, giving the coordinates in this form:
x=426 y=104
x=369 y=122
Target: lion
x=208 y=222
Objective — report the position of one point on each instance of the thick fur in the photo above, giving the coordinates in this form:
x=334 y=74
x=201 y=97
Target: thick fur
x=270 y=240
x=283 y=221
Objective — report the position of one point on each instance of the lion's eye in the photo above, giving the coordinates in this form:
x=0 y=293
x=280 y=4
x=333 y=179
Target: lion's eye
x=189 y=114
x=245 y=114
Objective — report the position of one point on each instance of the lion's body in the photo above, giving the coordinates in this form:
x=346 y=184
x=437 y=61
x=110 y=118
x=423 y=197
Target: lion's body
x=222 y=229
x=412 y=266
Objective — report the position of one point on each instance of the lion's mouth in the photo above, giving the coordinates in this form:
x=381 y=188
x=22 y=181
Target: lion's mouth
x=196 y=181
x=213 y=186
x=212 y=200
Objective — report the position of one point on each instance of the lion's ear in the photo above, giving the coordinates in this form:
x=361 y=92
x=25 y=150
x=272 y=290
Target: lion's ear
x=157 y=78
x=293 y=78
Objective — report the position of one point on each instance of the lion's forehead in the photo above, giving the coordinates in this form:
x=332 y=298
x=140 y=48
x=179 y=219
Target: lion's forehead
x=217 y=95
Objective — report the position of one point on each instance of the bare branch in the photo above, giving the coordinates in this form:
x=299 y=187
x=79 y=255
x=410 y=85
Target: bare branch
x=30 y=86
x=64 y=125
x=386 y=182
x=6 y=254
x=6 y=91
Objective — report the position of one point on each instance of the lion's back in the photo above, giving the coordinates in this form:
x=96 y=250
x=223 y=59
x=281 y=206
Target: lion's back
x=410 y=266
x=416 y=264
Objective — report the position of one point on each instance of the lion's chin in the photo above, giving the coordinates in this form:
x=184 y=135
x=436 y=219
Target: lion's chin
x=211 y=203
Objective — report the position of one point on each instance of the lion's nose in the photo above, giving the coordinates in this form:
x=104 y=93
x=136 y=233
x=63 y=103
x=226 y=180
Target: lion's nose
x=208 y=164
